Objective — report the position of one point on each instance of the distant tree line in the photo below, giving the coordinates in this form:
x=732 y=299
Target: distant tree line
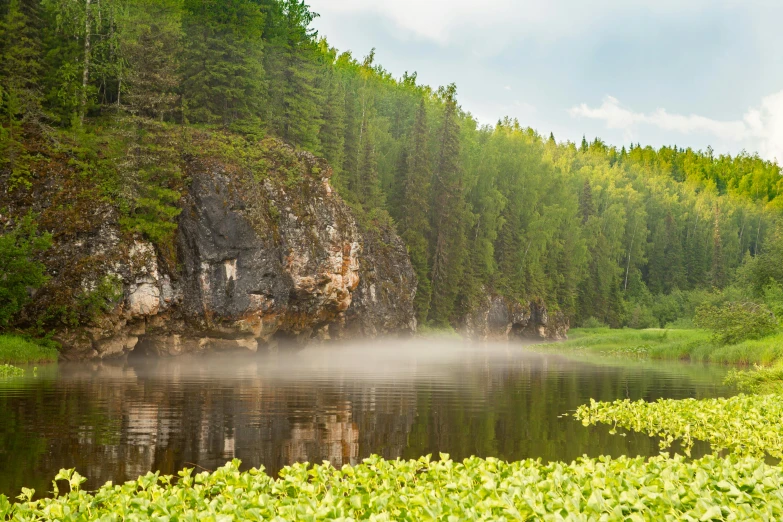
x=589 y=229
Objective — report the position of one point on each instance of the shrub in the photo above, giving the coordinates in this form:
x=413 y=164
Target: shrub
x=592 y=322
x=642 y=317
x=736 y=322
x=19 y=271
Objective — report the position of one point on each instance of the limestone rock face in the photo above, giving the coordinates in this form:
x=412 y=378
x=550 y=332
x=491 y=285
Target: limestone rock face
x=259 y=260
x=501 y=318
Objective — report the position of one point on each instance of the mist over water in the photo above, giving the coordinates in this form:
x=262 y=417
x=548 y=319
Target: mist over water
x=116 y=420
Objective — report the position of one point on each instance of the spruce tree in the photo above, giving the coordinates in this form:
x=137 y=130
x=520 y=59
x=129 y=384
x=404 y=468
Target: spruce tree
x=150 y=40
x=332 y=132
x=20 y=96
x=414 y=222
x=449 y=215
x=295 y=99
x=222 y=69
x=369 y=187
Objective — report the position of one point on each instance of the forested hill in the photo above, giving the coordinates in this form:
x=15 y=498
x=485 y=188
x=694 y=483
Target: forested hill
x=590 y=229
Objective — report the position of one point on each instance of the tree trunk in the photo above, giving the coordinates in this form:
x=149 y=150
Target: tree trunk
x=86 y=71
x=630 y=249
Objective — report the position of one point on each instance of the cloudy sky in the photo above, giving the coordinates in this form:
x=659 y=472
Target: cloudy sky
x=685 y=72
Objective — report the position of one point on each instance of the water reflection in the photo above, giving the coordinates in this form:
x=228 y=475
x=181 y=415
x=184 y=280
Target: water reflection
x=115 y=421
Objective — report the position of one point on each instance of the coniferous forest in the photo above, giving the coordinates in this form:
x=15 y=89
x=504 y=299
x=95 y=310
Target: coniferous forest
x=620 y=235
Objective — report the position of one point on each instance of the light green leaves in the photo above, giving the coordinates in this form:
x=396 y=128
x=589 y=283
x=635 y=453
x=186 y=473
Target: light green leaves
x=661 y=488
x=745 y=424
x=6 y=370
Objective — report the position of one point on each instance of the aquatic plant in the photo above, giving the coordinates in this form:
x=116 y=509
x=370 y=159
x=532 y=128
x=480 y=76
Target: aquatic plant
x=6 y=370
x=745 y=424
x=660 y=488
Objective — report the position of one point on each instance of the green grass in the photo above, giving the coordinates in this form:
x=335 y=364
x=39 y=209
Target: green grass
x=17 y=350
x=686 y=344
x=634 y=489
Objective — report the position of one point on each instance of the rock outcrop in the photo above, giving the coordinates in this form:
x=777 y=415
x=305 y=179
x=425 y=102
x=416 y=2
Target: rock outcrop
x=261 y=259
x=501 y=318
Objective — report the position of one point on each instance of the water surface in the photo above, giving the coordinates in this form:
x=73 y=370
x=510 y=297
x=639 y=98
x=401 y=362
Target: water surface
x=118 y=420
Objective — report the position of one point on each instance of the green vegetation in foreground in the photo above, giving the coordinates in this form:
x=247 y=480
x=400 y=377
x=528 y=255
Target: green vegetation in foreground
x=6 y=370
x=18 y=350
x=660 y=488
x=693 y=344
x=745 y=424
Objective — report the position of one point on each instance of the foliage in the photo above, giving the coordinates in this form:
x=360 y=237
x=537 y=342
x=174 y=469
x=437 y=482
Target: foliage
x=19 y=270
x=759 y=379
x=101 y=298
x=592 y=322
x=152 y=184
x=736 y=322
x=623 y=236
x=651 y=343
x=660 y=488
x=686 y=343
x=18 y=350
x=6 y=370
x=745 y=424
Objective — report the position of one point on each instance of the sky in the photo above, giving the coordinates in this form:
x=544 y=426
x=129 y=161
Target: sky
x=692 y=73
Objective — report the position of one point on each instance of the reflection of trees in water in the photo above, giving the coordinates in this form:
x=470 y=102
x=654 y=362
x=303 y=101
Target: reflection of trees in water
x=120 y=427
x=118 y=422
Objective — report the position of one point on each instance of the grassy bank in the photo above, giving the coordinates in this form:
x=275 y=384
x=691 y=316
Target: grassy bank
x=17 y=350
x=690 y=344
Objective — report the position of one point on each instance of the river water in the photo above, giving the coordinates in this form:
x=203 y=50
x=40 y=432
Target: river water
x=118 y=420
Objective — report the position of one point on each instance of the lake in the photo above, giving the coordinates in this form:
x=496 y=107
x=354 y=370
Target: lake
x=116 y=420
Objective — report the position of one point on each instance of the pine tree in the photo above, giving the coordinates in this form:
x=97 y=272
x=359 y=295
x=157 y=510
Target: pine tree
x=150 y=40
x=450 y=215
x=369 y=187
x=222 y=65
x=292 y=63
x=414 y=222
x=586 y=205
x=20 y=97
x=332 y=133
x=718 y=272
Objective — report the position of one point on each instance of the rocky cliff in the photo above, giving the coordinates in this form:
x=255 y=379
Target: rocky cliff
x=263 y=255
x=501 y=318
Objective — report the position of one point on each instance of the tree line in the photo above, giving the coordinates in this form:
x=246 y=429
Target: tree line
x=590 y=229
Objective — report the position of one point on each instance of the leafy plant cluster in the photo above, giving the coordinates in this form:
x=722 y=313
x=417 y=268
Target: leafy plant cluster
x=7 y=370
x=660 y=488
x=736 y=322
x=744 y=424
x=20 y=271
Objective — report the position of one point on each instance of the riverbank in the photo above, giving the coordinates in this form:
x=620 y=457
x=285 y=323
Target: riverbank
x=17 y=350
x=687 y=344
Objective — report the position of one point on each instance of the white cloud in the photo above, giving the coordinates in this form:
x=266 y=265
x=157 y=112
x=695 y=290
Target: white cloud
x=492 y=24
x=761 y=126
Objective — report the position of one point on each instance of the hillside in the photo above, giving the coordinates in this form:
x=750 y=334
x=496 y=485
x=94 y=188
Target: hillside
x=104 y=102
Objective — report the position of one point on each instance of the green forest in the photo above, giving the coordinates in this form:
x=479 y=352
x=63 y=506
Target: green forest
x=630 y=236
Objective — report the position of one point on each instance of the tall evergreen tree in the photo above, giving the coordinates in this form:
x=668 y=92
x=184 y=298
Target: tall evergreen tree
x=292 y=63
x=449 y=214
x=20 y=69
x=150 y=40
x=414 y=224
x=222 y=64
